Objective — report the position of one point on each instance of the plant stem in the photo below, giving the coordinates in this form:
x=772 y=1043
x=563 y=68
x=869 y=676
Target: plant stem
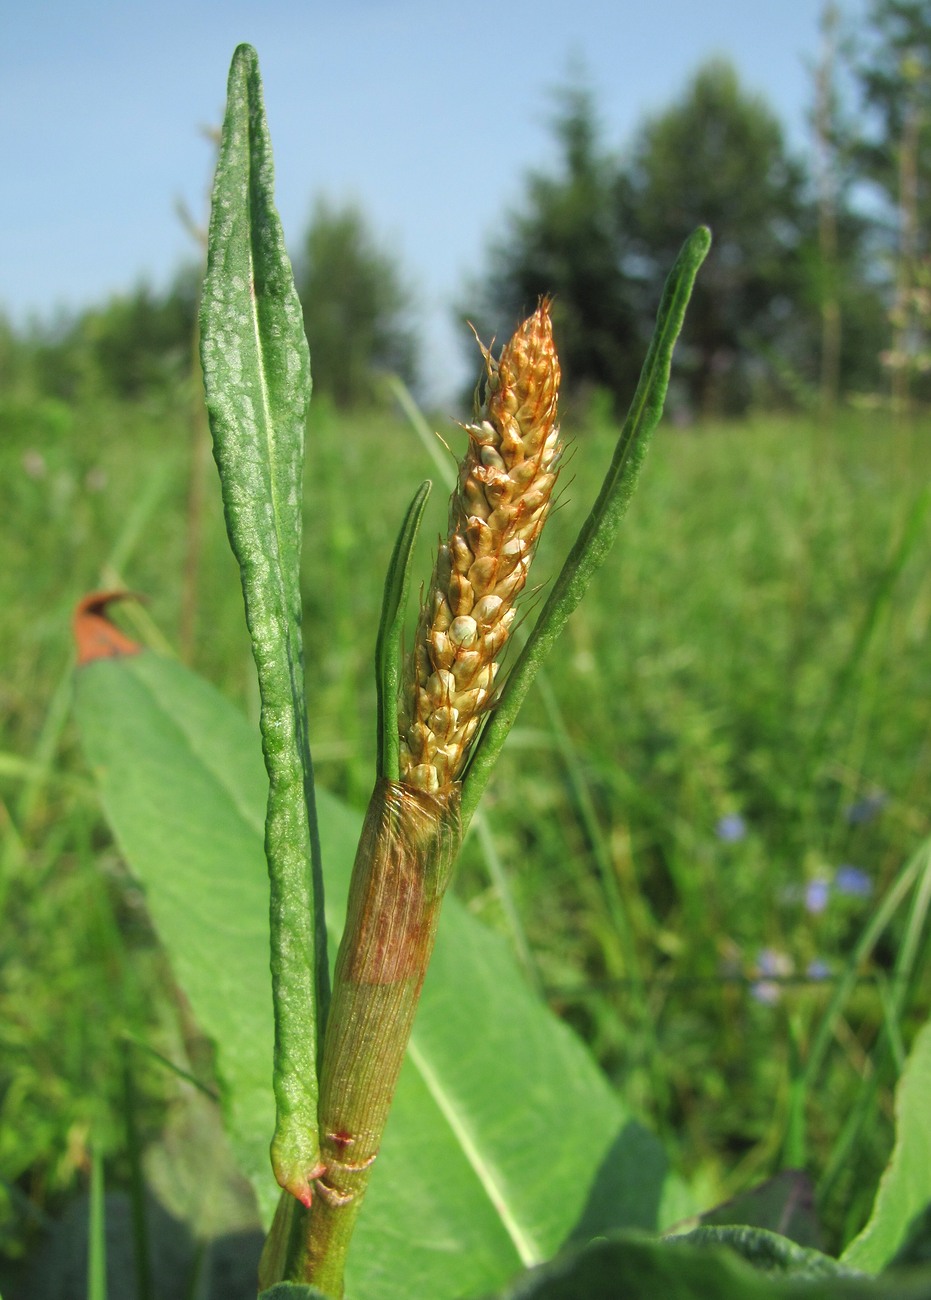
x=408 y=846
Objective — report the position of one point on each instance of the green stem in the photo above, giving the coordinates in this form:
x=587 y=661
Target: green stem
x=408 y=846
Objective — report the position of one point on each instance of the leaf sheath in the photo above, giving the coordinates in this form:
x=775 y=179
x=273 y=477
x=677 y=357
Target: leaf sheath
x=406 y=853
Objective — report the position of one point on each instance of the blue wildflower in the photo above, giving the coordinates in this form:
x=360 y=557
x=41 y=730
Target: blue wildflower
x=851 y=880
x=817 y=892
x=770 y=963
x=818 y=970
x=864 y=810
x=731 y=828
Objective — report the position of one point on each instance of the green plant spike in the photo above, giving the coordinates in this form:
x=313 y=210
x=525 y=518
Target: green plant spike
x=388 y=649
x=257 y=381
x=599 y=530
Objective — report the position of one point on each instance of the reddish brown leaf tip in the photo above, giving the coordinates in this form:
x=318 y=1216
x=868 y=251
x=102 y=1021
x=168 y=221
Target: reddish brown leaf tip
x=301 y=1185
x=95 y=636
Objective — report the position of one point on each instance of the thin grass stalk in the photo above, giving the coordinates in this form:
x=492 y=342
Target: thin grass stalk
x=848 y=1140
x=97 y=1233
x=502 y=887
x=140 y=1229
x=889 y=1008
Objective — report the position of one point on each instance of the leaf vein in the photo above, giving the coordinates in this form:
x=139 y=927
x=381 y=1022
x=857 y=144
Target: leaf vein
x=528 y=1248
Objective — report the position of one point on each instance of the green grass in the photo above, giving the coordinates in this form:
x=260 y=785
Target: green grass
x=757 y=645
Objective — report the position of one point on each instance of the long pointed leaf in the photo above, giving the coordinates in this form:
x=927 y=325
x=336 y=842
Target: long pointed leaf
x=257 y=381
x=390 y=635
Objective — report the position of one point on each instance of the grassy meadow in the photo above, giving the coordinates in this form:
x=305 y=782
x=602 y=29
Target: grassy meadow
x=697 y=818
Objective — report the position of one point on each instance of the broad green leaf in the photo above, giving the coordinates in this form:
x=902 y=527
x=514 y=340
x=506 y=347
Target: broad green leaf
x=632 y=1267
x=505 y=1140
x=186 y=799
x=257 y=385
x=905 y=1188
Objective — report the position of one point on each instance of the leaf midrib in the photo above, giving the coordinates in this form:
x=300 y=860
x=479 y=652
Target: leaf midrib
x=528 y=1249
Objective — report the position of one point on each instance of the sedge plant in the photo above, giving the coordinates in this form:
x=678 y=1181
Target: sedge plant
x=444 y=710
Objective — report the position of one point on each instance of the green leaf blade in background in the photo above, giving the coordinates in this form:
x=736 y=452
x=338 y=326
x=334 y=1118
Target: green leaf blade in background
x=257 y=383
x=186 y=804
x=905 y=1187
x=519 y=1144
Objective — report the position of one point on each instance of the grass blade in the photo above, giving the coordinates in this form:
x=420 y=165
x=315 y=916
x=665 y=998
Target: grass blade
x=257 y=381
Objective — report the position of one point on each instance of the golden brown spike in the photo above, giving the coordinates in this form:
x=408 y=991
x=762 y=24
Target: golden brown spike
x=506 y=482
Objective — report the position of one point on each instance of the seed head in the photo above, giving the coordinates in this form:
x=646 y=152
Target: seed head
x=497 y=510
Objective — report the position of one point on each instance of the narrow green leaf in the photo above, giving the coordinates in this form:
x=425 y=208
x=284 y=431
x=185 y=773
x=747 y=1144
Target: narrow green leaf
x=501 y=1146
x=257 y=382
x=388 y=649
x=600 y=529
x=905 y=1188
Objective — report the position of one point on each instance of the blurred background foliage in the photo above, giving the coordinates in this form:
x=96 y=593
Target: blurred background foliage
x=732 y=760
x=818 y=284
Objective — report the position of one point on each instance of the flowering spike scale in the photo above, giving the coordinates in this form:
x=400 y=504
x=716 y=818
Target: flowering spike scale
x=497 y=511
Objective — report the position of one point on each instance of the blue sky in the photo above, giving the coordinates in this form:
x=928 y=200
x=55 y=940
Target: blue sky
x=426 y=113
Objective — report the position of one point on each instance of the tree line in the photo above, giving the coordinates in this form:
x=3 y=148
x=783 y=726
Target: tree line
x=818 y=285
